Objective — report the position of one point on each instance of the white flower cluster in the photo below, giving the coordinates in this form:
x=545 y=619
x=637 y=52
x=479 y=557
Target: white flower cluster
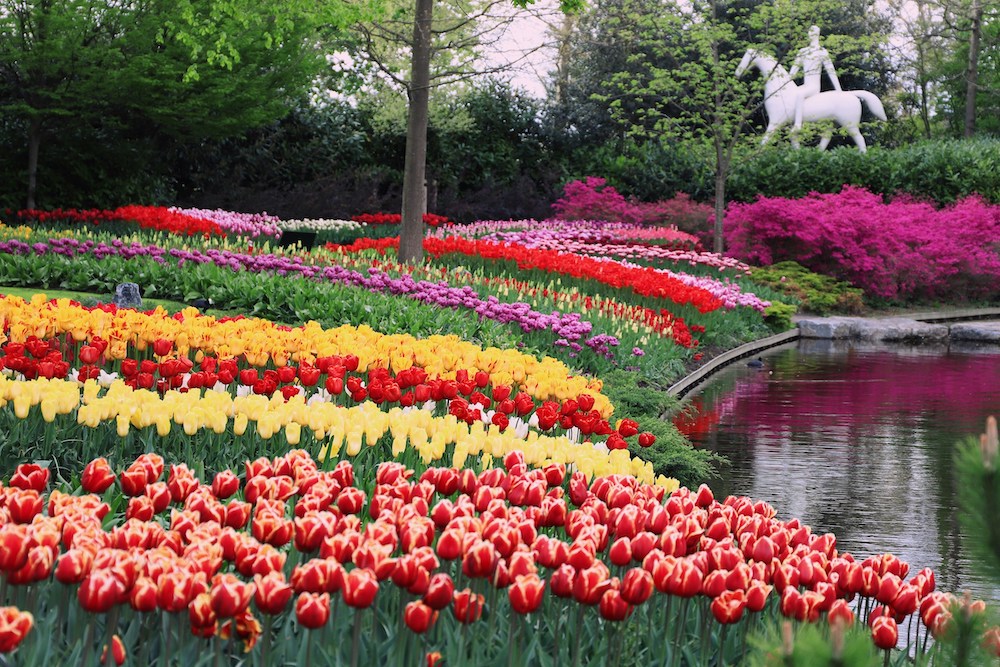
x=319 y=225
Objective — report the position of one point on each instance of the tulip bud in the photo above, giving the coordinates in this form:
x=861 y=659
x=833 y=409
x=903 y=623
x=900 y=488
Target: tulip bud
x=30 y=476
x=613 y=606
x=100 y=591
x=728 y=607
x=272 y=593
x=14 y=626
x=360 y=588
x=419 y=617
x=312 y=610
x=440 y=591
x=97 y=476
x=468 y=606
x=230 y=596
x=526 y=593
x=885 y=633
x=118 y=653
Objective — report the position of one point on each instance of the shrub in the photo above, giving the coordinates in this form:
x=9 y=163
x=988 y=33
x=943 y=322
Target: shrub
x=944 y=171
x=594 y=199
x=817 y=294
x=899 y=251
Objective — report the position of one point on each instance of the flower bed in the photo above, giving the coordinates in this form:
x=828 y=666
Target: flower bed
x=902 y=250
x=448 y=561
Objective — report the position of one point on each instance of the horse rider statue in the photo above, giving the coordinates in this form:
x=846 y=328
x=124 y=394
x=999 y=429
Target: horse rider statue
x=811 y=60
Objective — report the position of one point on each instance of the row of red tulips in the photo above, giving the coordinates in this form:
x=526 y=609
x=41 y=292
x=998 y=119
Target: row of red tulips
x=644 y=281
x=444 y=540
x=467 y=396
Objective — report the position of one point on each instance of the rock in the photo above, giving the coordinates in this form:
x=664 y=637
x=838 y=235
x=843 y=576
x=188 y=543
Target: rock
x=828 y=327
x=901 y=329
x=985 y=332
x=877 y=329
x=127 y=296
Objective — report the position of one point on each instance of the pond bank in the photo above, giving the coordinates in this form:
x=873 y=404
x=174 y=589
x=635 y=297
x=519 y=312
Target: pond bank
x=972 y=325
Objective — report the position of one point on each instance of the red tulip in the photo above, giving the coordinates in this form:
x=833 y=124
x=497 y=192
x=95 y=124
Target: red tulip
x=728 y=607
x=840 y=612
x=272 y=593
x=89 y=354
x=468 y=606
x=100 y=591
x=73 y=566
x=360 y=588
x=203 y=618
x=24 y=505
x=118 y=653
x=37 y=566
x=526 y=593
x=142 y=596
x=229 y=595
x=97 y=476
x=684 y=580
x=162 y=347
x=312 y=610
x=440 y=591
x=177 y=588
x=14 y=626
x=646 y=439
x=419 y=617
x=885 y=633
x=479 y=560
x=225 y=484
x=991 y=641
x=613 y=607
x=637 y=586
x=133 y=481
x=757 y=594
x=30 y=476
x=590 y=584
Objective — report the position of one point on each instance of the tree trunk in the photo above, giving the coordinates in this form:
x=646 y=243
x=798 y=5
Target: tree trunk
x=720 y=201
x=414 y=189
x=972 y=75
x=34 y=141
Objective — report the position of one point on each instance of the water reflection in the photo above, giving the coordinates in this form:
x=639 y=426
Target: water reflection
x=856 y=440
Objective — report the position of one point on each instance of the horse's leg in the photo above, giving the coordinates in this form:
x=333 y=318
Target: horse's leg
x=859 y=140
x=768 y=134
x=793 y=136
x=825 y=140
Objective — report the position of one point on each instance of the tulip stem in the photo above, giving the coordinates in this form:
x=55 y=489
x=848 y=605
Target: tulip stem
x=88 y=640
x=265 y=644
x=885 y=661
x=722 y=645
x=356 y=640
x=577 y=636
x=112 y=622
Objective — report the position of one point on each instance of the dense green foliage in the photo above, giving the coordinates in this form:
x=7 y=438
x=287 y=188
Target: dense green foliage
x=941 y=171
x=816 y=293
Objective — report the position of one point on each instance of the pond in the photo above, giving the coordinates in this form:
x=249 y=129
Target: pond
x=856 y=440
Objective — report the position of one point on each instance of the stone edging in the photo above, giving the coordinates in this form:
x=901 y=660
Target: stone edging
x=926 y=326
x=689 y=382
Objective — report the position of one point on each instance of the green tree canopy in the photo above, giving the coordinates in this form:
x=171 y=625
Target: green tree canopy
x=187 y=69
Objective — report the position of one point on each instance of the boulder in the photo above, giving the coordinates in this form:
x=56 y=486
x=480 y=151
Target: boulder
x=127 y=296
x=828 y=327
x=984 y=332
x=873 y=329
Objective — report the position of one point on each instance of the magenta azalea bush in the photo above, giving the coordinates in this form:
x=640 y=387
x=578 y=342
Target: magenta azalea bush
x=593 y=199
x=902 y=250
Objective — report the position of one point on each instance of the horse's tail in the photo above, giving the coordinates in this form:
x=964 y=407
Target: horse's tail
x=872 y=101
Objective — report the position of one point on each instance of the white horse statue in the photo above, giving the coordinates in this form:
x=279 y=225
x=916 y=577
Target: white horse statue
x=844 y=107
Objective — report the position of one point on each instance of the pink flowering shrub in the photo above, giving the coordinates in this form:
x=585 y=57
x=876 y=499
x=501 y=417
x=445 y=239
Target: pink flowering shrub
x=594 y=199
x=901 y=250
